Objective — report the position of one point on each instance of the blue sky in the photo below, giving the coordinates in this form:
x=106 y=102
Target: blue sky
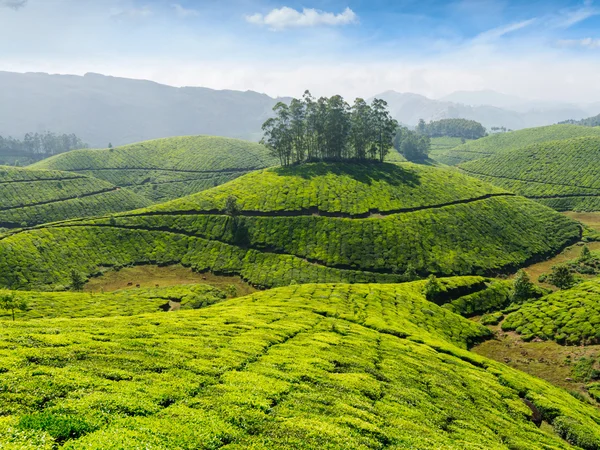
x=548 y=50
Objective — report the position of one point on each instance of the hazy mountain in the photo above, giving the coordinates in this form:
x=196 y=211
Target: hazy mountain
x=484 y=97
x=102 y=109
x=409 y=108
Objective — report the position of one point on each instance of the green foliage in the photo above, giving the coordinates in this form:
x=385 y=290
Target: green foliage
x=495 y=296
x=61 y=427
x=310 y=223
x=458 y=128
x=588 y=122
x=585 y=370
x=77 y=280
x=560 y=174
x=164 y=169
x=30 y=197
x=523 y=288
x=586 y=254
x=561 y=277
x=307 y=366
x=126 y=302
x=492 y=318
x=9 y=302
x=569 y=317
x=36 y=146
x=432 y=289
x=411 y=145
x=329 y=129
x=499 y=143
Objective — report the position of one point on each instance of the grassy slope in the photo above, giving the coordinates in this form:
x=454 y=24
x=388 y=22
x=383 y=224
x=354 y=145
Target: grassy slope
x=501 y=142
x=284 y=234
x=126 y=302
x=312 y=366
x=571 y=316
x=32 y=197
x=564 y=174
x=440 y=145
x=164 y=169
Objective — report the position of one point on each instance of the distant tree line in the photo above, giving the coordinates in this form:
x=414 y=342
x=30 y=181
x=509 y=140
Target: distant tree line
x=589 y=122
x=37 y=146
x=411 y=144
x=329 y=129
x=460 y=128
x=500 y=129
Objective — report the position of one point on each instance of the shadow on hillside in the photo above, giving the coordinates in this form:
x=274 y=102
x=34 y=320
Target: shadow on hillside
x=364 y=172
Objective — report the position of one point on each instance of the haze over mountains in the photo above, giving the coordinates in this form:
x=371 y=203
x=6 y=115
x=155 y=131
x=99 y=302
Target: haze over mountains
x=102 y=109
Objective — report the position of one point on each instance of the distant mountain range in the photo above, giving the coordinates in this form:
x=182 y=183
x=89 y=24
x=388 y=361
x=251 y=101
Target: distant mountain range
x=102 y=109
x=409 y=108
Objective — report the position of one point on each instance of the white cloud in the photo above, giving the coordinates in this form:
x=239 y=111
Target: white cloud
x=184 y=12
x=13 y=4
x=141 y=12
x=496 y=33
x=570 y=17
x=586 y=42
x=282 y=18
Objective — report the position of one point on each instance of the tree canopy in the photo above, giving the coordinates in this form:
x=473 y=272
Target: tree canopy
x=412 y=145
x=462 y=128
x=35 y=146
x=329 y=129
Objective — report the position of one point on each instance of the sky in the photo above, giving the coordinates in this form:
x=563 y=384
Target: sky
x=535 y=49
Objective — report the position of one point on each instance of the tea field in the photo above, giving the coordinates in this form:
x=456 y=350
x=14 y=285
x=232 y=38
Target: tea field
x=312 y=223
x=568 y=317
x=495 y=144
x=308 y=366
x=30 y=197
x=564 y=175
x=168 y=168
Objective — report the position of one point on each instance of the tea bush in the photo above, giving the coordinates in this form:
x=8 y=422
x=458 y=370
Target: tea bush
x=30 y=197
x=307 y=366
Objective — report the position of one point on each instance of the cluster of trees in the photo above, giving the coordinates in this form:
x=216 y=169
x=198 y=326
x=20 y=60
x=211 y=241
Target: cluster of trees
x=39 y=145
x=411 y=144
x=500 y=129
x=461 y=128
x=329 y=129
x=589 y=122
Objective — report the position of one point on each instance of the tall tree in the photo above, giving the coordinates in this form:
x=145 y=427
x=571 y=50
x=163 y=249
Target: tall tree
x=384 y=127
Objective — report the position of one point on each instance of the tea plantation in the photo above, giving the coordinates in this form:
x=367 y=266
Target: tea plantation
x=502 y=142
x=126 y=302
x=311 y=366
x=568 y=317
x=168 y=168
x=30 y=197
x=311 y=223
x=564 y=175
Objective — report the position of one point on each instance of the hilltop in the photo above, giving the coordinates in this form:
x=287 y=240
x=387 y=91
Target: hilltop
x=312 y=366
x=30 y=197
x=502 y=142
x=164 y=169
x=564 y=175
x=318 y=222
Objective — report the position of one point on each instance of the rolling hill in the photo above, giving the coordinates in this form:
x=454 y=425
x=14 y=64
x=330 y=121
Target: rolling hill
x=164 y=169
x=569 y=317
x=310 y=223
x=30 y=197
x=313 y=366
x=564 y=175
x=501 y=142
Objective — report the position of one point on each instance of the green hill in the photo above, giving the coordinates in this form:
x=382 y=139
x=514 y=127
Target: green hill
x=310 y=223
x=501 y=142
x=564 y=175
x=568 y=317
x=164 y=169
x=29 y=197
x=311 y=366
